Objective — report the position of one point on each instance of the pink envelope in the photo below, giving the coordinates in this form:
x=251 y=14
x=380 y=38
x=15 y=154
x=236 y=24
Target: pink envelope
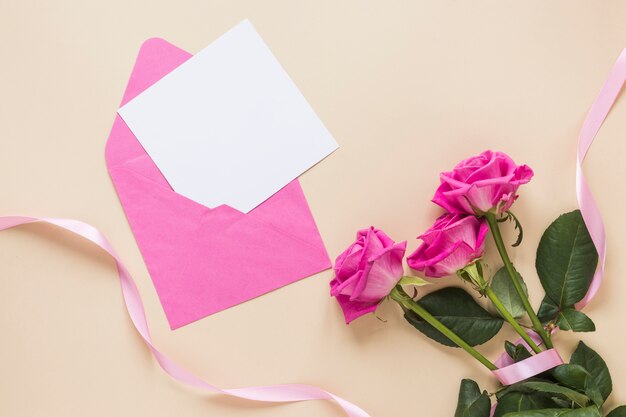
x=205 y=260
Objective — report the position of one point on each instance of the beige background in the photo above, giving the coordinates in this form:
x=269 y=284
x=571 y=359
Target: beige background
x=408 y=88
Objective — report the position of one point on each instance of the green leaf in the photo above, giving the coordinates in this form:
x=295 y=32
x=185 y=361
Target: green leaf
x=416 y=281
x=577 y=377
x=472 y=403
x=561 y=403
x=570 y=394
x=579 y=412
x=503 y=287
x=572 y=375
x=593 y=392
x=595 y=365
x=577 y=321
x=516 y=352
x=510 y=348
x=522 y=401
x=618 y=412
x=566 y=259
x=548 y=310
x=457 y=310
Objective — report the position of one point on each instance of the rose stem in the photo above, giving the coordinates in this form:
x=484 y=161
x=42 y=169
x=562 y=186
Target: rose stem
x=406 y=302
x=497 y=237
x=473 y=273
x=510 y=319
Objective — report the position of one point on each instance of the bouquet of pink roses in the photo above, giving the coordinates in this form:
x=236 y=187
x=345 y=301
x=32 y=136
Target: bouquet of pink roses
x=477 y=196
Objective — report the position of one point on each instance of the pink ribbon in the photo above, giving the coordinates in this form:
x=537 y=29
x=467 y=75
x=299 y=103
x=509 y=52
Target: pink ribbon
x=270 y=393
x=588 y=207
x=515 y=372
x=534 y=365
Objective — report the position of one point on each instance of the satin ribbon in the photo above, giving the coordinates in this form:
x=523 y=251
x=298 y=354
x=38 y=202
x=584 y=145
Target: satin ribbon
x=534 y=365
x=515 y=372
x=132 y=299
x=588 y=207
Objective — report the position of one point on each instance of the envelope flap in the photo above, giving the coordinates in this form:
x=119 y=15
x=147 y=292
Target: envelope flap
x=156 y=58
x=124 y=151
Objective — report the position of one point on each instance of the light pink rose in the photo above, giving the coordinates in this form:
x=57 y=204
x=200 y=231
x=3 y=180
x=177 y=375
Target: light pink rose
x=482 y=183
x=452 y=243
x=366 y=272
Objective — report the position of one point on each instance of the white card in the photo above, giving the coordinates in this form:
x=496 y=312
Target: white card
x=229 y=126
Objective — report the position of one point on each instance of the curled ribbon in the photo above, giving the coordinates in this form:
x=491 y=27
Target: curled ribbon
x=588 y=207
x=271 y=393
x=511 y=373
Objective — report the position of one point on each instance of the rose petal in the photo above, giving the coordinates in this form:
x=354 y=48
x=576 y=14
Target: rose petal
x=383 y=274
x=347 y=286
x=449 y=204
x=456 y=259
x=480 y=238
x=523 y=174
x=349 y=263
x=491 y=169
x=353 y=310
x=464 y=229
x=372 y=245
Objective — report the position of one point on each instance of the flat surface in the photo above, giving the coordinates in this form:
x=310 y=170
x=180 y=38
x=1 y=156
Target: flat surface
x=406 y=88
x=229 y=126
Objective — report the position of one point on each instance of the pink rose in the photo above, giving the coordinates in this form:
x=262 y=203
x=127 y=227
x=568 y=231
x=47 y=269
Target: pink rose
x=482 y=183
x=366 y=272
x=452 y=243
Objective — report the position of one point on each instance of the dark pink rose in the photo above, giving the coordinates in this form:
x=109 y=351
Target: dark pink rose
x=452 y=243
x=487 y=182
x=366 y=272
